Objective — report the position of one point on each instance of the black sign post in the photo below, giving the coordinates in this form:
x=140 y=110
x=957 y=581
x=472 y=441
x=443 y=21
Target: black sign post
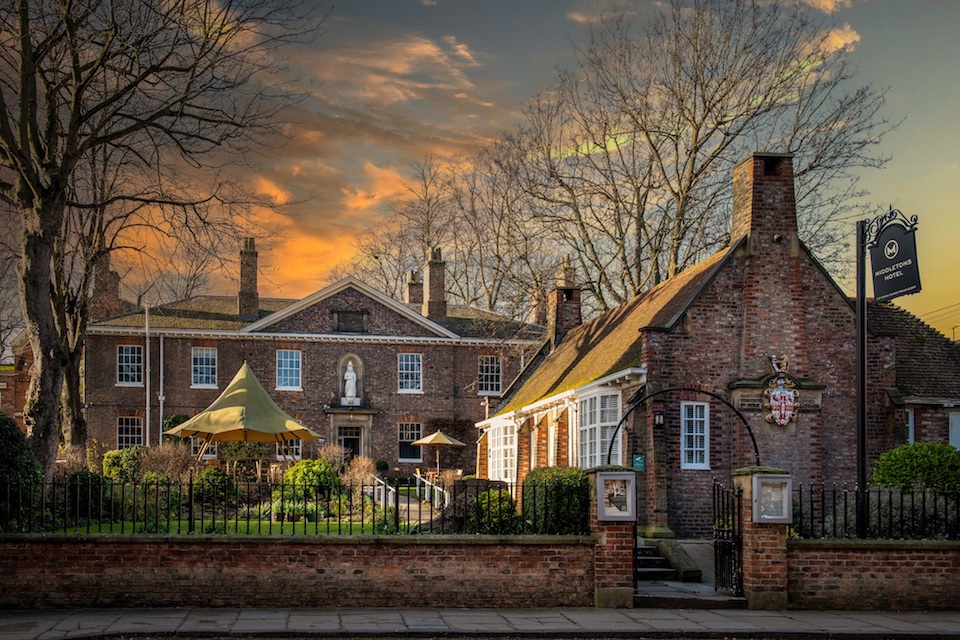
x=893 y=257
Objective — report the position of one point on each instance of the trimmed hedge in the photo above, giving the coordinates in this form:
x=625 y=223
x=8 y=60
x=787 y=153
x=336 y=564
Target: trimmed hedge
x=556 y=500
x=920 y=465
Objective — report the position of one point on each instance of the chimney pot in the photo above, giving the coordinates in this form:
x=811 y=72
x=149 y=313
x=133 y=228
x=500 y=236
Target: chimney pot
x=434 y=288
x=248 y=298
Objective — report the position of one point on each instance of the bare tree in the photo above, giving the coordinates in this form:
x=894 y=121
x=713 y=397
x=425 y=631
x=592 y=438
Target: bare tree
x=628 y=157
x=708 y=81
x=167 y=94
x=501 y=260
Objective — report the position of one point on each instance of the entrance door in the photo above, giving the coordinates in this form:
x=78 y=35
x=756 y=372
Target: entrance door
x=351 y=439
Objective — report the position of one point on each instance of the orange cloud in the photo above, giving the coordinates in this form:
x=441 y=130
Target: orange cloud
x=266 y=187
x=843 y=38
x=829 y=6
x=300 y=265
x=387 y=185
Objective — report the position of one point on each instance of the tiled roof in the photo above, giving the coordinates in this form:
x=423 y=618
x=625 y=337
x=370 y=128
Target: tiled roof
x=219 y=313
x=928 y=363
x=611 y=342
x=471 y=322
x=199 y=312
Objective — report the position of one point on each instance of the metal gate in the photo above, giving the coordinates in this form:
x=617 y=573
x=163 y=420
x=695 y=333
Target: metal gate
x=728 y=538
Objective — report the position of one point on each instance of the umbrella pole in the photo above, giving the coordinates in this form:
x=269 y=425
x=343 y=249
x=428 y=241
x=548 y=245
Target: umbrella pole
x=284 y=450
x=203 y=447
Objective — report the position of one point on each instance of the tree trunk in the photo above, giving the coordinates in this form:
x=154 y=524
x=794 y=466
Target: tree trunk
x=42 y=409
x=74 y=424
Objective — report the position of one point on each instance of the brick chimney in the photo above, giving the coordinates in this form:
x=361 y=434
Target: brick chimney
x=105 y=297
x=764 y=204
x=774 y=313
x=414 y=294
x=538 y=308
x=434 y=288
x=563 y=304
x=248 y=299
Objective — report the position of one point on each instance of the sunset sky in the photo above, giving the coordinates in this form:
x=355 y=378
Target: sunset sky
x=394 y=80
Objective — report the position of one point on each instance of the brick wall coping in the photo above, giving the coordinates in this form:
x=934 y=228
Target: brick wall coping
x=426 y=539
x=898 y=545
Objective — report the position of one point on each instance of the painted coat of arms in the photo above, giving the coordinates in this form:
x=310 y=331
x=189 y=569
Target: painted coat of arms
x=780 y=398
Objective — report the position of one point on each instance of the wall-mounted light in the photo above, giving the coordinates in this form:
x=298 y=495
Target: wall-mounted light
x=659 y=419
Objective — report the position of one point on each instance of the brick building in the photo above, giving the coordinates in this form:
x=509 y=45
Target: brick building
x=15 y=381
x=414 y=366
x=759 y=327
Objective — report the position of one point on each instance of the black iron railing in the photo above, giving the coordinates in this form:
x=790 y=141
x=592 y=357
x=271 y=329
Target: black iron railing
x=728 y=538
x=894 y=514
x=98 y=505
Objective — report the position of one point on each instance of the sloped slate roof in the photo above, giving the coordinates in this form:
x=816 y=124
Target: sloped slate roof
x=928 y=363
x=199 y=312
x=471 y=322
x=219 y=313
x=611 y=342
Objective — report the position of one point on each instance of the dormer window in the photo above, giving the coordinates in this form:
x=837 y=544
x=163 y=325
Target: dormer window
x=350 y=321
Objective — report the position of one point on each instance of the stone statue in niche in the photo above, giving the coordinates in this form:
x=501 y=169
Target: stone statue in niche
x=350 y=386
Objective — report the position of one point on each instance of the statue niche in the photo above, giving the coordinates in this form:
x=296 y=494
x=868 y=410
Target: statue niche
x=350 y=382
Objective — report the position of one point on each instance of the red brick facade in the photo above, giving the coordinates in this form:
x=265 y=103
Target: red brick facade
x=710 y=333
x=377 y=331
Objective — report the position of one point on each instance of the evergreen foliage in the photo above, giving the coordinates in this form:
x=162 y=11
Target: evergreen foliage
x=556 y=500
x=920 y=465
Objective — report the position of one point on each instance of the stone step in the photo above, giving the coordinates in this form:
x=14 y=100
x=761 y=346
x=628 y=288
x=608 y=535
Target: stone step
x=649 y=564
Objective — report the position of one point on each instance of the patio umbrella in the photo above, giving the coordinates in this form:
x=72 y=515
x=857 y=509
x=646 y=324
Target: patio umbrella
x=243 y=412
x=438 y=439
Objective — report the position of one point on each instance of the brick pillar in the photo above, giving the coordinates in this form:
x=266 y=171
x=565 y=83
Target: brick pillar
x=764 y=549
x=613 y=553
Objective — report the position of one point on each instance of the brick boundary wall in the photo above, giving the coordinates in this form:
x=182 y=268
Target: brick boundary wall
x=860 y=575
x=71 y=571
x=873 y=574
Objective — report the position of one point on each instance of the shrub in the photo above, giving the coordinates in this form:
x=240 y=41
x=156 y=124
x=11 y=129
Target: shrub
x=123 y=465
x=213 y=485
x=332 y=454
x=310 y=476
x=69 y=461
x=17 y=462
x=95 y=453
x=920 y=465
x=495 y=512
x=20 y=474
x=173 y=460
x=556 y=500
x=89 y=495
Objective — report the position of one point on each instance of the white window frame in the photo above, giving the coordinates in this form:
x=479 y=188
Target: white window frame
x=597 y=418
x=695 y=435
x=203 y=368
x=129 y=365
x=954 y=429
x=409 y=429
x=502 y=452
x=286 y=358
x=209 y=454
x=911 y=426
x=129 y=432
x=489 y=376
x=409 y=373
x=293 y=447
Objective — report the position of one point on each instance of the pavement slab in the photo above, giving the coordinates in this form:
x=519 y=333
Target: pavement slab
x=560 y=623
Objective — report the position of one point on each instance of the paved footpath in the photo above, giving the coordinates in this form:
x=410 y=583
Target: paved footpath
x=513 y=623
